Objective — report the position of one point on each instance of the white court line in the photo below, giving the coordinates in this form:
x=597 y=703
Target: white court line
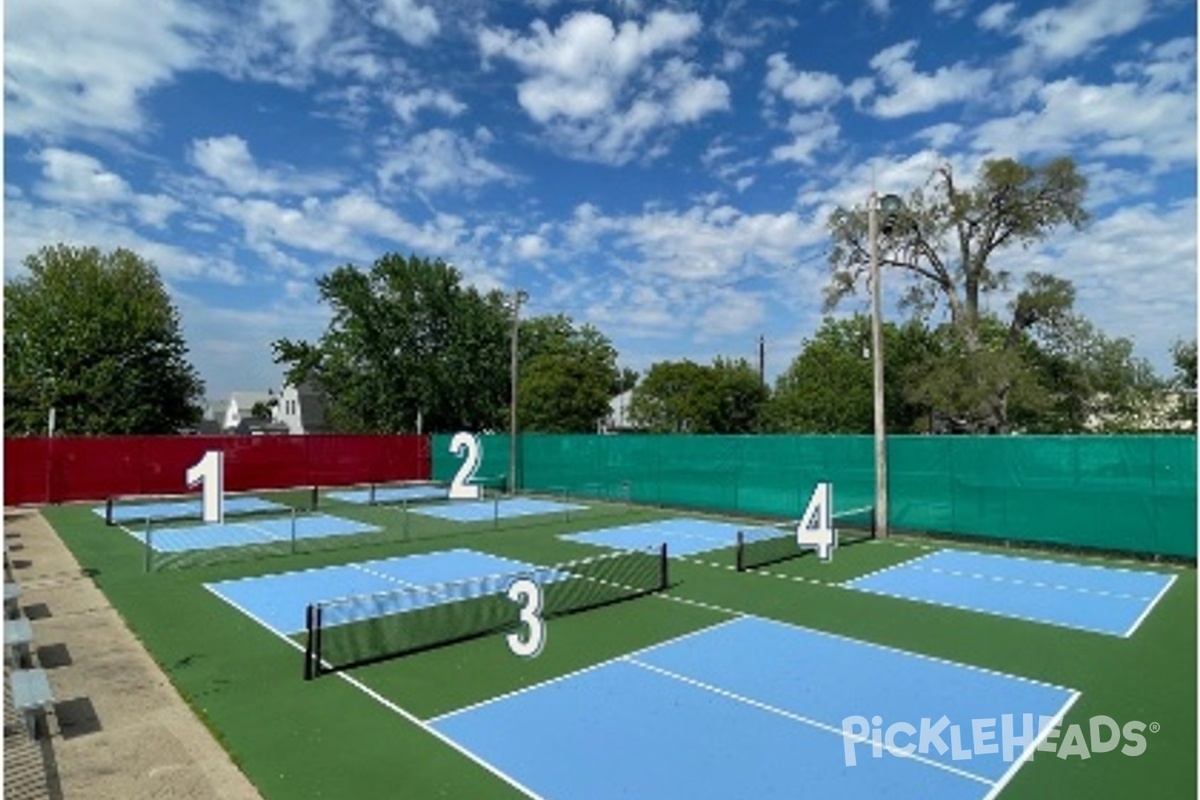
x=906 y=563
x=581 y=671
x=1032 y=747
x=958 y=573
x=1150 y=607
x=708 y=687
x=865 y=643
x=990 y=612
x=1064 y=562
x=408 y=716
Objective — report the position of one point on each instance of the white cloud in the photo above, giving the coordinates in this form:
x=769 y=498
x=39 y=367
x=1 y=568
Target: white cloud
x=227 y=159
x=1071 y=114
x=72 y=178
x=440 y=160
x=880 y=7
x=407 y=106
x=913 y=92
x=810 y=134
x=80 y=182
x=941 y=135
x=731 y=313
x=415 y=24
x=801 y=87
x=996 y=17
x=288 y=43
x=592 y=86
x=531 y=246
x=952 y=8
x=29 y=227
x=75 y=68
x=302 y=25
x=350 y=226
x=1054 y=35
x=1134 y=272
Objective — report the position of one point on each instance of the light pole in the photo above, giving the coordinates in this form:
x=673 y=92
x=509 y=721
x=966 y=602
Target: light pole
x=890 y=205
x=518 y=298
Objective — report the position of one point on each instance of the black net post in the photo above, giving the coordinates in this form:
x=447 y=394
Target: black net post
x=741 y=556
x=664 y=577
x=312 y=646
x=108 y=511
x=314 y=498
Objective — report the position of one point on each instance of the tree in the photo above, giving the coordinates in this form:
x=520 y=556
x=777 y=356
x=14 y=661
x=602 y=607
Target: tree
x=683 y=396
x=944 y=242
x=567 y=376
x=1092 y=382
x=96 y=337
x=1183 y=356
x=828 y=386
x=407 y=340
x=261 y=410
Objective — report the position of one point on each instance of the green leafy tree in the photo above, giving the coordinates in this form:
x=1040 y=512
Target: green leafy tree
x=407 y=339
x=685 y=397
x=955 y=380
x=1183 y=382
x=828 y=386
x=1093 y=381
x=261 y=410
x=944 y=242
x=95 y=336
x=567 y=376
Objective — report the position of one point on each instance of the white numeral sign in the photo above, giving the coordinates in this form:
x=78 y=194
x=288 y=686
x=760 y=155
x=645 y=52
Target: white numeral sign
x=211 y=471
x=461 y=487
x=815 y=531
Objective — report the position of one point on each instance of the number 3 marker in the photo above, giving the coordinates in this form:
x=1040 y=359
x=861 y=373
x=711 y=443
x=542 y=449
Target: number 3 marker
x=529 y=595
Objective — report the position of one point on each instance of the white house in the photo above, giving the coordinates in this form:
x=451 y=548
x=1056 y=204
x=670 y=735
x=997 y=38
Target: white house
x=241 y=406
x=302 y=409
x=618 y=414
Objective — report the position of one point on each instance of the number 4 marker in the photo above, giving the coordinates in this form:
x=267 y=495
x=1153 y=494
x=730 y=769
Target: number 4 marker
x=815 y=531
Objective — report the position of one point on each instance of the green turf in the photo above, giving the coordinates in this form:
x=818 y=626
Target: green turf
x=328 y=738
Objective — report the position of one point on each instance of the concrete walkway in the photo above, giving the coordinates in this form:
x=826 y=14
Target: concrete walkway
x=119 y=729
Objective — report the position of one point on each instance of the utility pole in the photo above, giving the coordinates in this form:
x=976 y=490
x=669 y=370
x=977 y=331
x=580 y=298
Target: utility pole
x=762 y=361
x=517 y=298
x=881 y=498
x=891 y=206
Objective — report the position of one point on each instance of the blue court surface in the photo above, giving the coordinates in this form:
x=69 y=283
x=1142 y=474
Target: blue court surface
x=391 y=494
x=482 y=510
x=760 y=709
x=1099 y=599
x=250 y=532
x=684 y=536
x=279 y=601
x=186 y=509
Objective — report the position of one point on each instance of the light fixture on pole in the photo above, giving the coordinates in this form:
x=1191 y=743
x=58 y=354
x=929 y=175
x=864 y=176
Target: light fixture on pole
x=889 y=207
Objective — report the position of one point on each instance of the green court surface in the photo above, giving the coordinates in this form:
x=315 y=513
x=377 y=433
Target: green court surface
x=359 y=733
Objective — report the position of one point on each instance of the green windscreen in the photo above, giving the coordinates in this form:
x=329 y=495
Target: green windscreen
x=1129 y=493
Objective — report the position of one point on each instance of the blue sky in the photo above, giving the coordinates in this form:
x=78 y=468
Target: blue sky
x=662 y=171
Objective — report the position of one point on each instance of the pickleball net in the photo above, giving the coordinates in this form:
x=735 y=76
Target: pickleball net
x=141 y=508
x=363 y=629
x=769 y=544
